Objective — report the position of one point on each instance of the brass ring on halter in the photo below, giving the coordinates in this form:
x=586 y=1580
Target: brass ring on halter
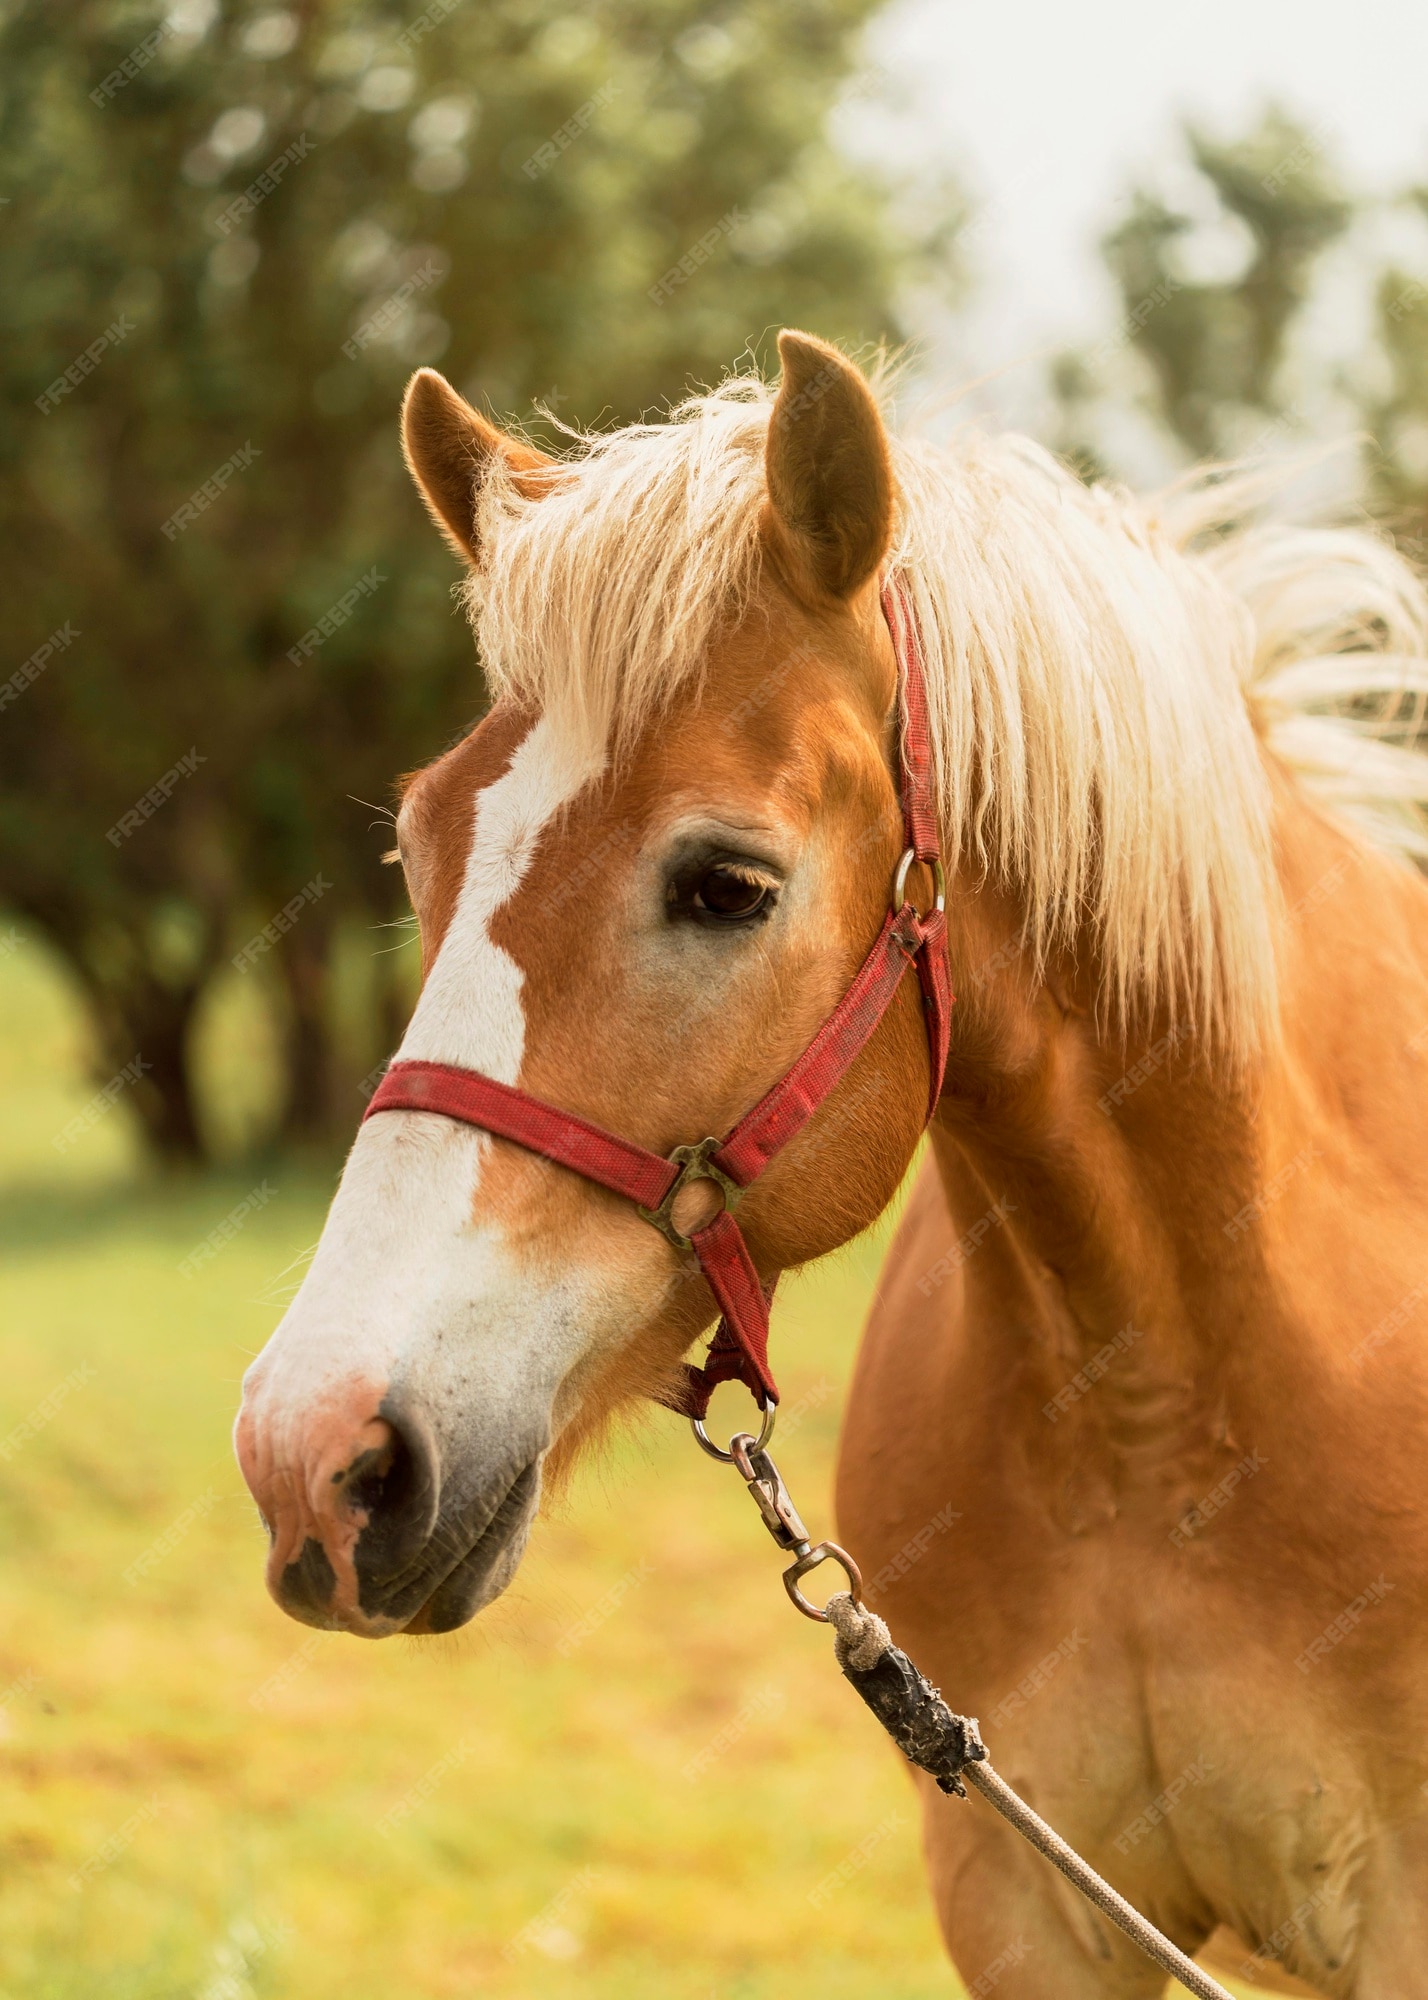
x=821 y=1552
x=694 y=1164
x=706 y=1443
x=939 y=882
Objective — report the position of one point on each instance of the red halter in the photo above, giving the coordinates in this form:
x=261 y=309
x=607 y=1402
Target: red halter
x=739 y=1349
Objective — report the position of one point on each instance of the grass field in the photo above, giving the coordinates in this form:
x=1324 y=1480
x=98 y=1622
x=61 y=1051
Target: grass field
x=204 y=1801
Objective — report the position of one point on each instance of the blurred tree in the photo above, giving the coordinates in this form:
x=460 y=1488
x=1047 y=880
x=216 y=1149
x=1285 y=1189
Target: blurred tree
x=1211 y=280
x=1397 y=416
x=228 y=233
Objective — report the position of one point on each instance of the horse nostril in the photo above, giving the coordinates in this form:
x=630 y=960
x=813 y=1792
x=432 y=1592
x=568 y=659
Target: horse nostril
x=395 y=1483
x=373 y=1470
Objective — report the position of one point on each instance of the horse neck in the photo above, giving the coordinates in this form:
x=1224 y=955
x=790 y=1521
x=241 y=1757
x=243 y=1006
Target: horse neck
x=1110 y=1184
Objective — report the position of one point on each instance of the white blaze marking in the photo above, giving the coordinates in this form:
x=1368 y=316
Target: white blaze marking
x=400 y=1263
x=470 y=1010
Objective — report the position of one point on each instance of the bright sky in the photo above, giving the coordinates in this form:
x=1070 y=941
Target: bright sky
x=1046 y=108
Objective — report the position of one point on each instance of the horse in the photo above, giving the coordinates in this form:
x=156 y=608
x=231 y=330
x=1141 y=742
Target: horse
x=1133 y=1450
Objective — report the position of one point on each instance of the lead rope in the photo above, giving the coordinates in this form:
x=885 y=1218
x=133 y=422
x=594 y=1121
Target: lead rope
x=948 y=1747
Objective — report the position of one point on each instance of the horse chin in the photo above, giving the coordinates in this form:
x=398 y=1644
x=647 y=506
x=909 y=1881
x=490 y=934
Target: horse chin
x=480 y=1575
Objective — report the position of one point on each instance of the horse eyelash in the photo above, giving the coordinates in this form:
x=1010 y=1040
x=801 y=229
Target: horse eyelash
x=748 y=871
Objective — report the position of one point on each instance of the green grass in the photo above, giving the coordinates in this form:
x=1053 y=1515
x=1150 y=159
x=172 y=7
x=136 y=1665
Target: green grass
x=251 y=1810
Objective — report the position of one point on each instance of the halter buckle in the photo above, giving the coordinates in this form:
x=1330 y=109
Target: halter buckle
x=695 y=1164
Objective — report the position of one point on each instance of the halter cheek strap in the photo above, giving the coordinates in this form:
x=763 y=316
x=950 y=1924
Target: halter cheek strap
x=739 y=1349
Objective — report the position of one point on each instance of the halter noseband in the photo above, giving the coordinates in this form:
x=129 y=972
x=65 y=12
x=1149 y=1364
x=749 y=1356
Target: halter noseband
x=739 y=1349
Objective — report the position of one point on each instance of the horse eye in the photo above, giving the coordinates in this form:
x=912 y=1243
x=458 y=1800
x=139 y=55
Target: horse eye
x=725 y=895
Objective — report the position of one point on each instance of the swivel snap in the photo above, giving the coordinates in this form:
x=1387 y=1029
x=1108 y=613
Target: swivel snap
x=771 y=1496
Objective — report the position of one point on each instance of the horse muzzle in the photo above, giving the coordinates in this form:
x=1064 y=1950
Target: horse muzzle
x=376 y=1525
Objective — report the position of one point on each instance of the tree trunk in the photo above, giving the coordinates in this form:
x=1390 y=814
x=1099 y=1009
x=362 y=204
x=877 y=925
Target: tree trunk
x=146 y=1023
x=311 y=1115
x=160 y=1022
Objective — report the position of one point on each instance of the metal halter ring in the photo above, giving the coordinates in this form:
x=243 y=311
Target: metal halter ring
x=821 y=1552
x=939 y=882
x=706 y=1443
x=694 y=1164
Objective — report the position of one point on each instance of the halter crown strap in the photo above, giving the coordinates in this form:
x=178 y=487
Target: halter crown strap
x=739 y=1349
x=919 y=810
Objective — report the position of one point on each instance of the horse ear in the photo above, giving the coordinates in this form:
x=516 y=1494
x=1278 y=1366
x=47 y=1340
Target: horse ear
x=448 y=447
x=828 y=472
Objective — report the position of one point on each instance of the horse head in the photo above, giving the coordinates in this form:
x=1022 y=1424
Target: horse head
x=642 y=884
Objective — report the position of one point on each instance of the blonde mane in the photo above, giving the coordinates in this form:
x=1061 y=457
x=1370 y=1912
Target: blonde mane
x=1102 y=671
